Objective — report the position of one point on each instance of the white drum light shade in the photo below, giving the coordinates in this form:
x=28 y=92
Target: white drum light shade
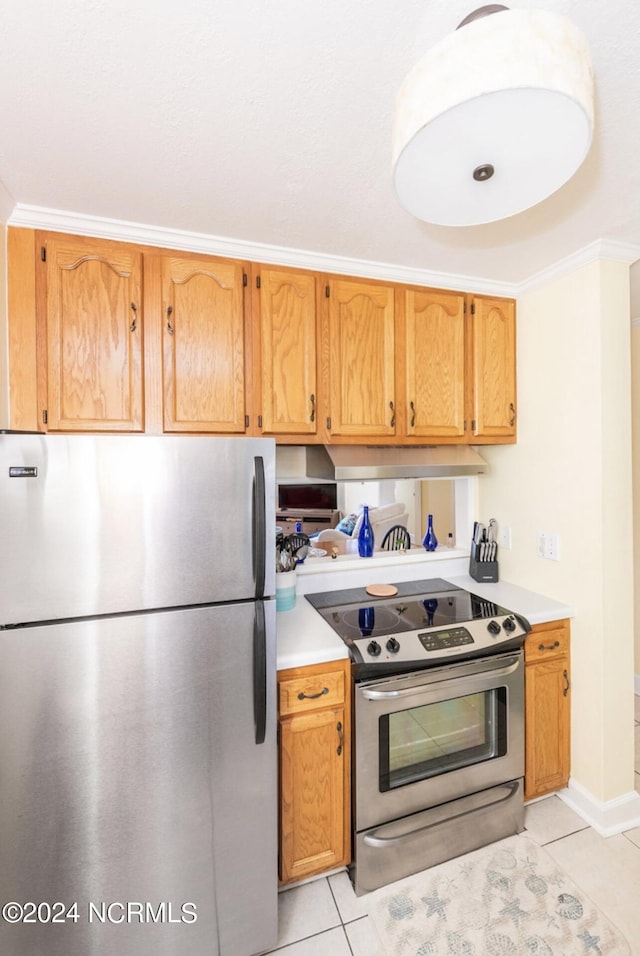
x=509 y=96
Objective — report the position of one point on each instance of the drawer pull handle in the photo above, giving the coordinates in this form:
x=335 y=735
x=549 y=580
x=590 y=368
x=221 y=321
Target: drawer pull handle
x=134 y=322
x=392 y=424
x=170 y=328
x=549 y=647
x=340 y=738
x=567 y=685
x=321 y=693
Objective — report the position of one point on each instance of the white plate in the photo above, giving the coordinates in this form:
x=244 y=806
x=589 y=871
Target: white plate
x=317 y=552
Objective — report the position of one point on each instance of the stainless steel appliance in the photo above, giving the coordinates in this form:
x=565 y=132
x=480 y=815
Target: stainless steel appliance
x=138 y=794
x=438 y=748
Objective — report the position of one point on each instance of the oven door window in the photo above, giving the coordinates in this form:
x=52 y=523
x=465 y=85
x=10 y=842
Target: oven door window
x=432 y=739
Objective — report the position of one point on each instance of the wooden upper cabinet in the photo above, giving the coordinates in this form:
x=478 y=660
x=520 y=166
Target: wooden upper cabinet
x=434 y=361
x=361 y=355
x=493 y=370
x=285 y=317
x=91 y=335
x=203 y=345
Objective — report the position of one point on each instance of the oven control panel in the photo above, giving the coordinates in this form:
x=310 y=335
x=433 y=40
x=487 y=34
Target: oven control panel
x=428 y=646
x=438 y=640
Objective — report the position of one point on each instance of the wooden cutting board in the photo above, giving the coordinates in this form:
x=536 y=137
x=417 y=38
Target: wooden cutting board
x=381 y=590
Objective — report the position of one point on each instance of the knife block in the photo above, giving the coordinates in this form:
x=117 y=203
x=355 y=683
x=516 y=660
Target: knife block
x=484 y=572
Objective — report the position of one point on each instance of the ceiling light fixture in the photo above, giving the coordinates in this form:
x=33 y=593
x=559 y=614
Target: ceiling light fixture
x=495 y=118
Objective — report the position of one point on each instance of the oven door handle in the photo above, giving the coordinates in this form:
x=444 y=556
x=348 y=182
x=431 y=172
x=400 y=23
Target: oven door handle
x=371 y=840
x=370 y=694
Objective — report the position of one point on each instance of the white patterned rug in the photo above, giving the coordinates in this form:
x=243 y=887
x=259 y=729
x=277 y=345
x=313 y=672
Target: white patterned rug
x=507 y=899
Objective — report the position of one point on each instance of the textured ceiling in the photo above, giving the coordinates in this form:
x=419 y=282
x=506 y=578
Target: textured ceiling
x=271 y=123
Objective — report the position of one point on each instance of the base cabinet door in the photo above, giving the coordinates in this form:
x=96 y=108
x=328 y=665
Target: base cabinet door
x=314 y=779
x=547 y=709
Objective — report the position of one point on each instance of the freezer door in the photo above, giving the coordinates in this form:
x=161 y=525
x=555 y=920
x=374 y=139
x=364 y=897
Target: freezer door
x=96 y=525
x=135 y=803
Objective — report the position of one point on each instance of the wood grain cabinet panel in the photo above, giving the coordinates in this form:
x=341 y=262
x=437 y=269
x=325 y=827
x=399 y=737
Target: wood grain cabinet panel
x=361 y=353
x=434 y=363
x=314 y=770
x=93 y=328
x=547 y=709
x=203 y=345
x=285 y=313
x=493 y=370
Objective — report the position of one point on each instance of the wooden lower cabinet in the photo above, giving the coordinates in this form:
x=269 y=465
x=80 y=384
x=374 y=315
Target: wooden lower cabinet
x=547 y=709
x=314 y=730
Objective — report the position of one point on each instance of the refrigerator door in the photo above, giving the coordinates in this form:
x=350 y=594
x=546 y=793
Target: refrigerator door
x=97 y=525
x=133 y=787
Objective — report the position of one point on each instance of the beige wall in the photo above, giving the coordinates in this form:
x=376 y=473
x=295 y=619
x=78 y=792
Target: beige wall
x=570 y=474
x=4 y=332
x=635 y=407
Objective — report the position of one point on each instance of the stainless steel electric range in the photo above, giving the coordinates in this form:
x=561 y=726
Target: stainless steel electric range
x=438 y=723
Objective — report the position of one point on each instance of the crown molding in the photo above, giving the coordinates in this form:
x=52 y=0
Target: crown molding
x=55 y=220
x=600 y=249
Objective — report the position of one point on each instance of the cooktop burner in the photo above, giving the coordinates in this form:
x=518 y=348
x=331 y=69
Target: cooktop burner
x=426 y=623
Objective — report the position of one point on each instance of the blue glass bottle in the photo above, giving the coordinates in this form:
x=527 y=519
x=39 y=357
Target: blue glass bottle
x=430 y=541
x=365 y=536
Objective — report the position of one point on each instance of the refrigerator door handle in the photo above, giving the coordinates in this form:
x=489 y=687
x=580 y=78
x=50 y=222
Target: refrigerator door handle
x=260 y=673
x=259 y=524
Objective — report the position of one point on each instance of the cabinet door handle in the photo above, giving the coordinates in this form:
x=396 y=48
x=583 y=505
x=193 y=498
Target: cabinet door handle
x=512 y=414
x=393 y=415
x=134 y=321
x=413 y=414
x=312 y=400
x=340 y=738
x=549 y=647
x=567 y=685
x=321 y=693
x=170 y=328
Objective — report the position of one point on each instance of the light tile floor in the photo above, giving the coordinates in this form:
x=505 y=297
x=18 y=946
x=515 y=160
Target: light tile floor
x=325 y=916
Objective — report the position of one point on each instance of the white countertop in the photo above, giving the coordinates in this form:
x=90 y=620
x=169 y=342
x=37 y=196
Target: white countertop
x=303 y=637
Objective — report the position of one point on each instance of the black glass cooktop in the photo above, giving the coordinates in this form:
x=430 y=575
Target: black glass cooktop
x=418 y=605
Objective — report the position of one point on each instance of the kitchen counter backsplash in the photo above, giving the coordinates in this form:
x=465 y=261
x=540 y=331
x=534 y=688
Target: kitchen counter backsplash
x=305 y=638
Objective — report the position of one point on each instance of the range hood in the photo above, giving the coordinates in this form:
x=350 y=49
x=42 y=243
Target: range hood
x=372 y=463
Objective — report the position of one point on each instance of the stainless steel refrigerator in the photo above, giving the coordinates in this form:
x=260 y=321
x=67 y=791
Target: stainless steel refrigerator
x=138 y=762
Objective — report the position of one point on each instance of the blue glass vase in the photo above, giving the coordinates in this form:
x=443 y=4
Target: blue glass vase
x=430 y=541
x=365 y=536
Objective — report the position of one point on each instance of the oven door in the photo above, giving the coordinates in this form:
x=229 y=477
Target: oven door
x=435 y=735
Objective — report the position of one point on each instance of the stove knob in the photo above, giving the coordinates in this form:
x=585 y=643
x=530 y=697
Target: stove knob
x=393 y=646
x=374 y=648
x=493 y=627
x=509 y=624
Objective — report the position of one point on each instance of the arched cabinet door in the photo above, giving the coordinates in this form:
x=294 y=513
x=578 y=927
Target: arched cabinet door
x=93 y=330
x=203 y=345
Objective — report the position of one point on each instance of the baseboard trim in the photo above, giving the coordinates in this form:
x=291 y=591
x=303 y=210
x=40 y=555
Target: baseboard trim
x=608 y=817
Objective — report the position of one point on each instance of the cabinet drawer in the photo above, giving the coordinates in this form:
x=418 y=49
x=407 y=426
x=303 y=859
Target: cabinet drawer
x=310 y=692
x=546 y=641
